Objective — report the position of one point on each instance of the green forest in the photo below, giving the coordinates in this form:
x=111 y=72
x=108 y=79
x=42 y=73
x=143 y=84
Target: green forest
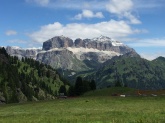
x=27 y=79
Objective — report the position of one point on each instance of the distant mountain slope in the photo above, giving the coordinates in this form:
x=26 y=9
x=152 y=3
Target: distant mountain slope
x=103 y=59
x=131 y=71
x=19 y=52
x=26 y=80
x=61 y=59
x=63 y=53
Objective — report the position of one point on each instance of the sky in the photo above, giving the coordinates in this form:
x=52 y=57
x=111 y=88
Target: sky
x=140 y=24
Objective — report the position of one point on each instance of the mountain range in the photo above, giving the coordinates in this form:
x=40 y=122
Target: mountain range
x=103 y=59
x=63 y=52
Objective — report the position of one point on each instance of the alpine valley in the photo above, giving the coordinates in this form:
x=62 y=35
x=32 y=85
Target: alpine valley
x=103 y=59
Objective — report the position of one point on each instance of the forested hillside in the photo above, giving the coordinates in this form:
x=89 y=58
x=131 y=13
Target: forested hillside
x=128 y=71
x=27 y=80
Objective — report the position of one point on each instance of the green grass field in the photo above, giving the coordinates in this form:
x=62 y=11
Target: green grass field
x=103 y=109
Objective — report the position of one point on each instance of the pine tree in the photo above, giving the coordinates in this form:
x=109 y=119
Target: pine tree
x=86 y=86
x=93 y=85
x=71 y=91
x=79 y=86
x=118 y=84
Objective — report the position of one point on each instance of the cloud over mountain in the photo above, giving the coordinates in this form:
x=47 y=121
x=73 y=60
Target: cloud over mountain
x=114 y=29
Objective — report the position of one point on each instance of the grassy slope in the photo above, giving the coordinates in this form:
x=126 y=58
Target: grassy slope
x=95 y=106
x=111 y=91
x=87 y=109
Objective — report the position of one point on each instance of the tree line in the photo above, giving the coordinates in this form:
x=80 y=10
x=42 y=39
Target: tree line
x=81 y=86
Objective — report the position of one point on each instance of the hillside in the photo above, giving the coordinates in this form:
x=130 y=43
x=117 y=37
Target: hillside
x=26 y=80
x=105 y=60
x=134 y=72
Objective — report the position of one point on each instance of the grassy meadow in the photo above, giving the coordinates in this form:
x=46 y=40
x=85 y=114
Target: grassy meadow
x=104 y=109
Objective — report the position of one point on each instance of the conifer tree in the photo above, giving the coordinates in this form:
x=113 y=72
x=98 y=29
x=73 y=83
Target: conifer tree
x=79 y=86
x=93 y=85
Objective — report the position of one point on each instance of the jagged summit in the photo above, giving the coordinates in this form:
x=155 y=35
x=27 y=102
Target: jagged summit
x=105 y=39
x=21 y=52
x=100 y=43
x=63 y=52
x=102 y=39
x=57 y=42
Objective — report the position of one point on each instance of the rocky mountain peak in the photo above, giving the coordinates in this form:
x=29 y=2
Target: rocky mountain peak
x=105 y=39
x=102 y=39
x=19 y=52
x=62 y=52
x=57 y=42
x=79 y=43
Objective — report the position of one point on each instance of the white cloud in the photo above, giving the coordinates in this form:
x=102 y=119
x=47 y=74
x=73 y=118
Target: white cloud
x=112 y=28
x=11 y=32
x=39 y=2
x=119 y=6
x=123 y=9
x=78 y=4
x=97 y=4
x=152 y=55
x=88 y=14
x=133 y=19
x=157 y=42
x=17 y=41
x=99 y=15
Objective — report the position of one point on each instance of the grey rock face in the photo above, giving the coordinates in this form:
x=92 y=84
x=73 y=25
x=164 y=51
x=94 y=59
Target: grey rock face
x=126 y=49
x=79 y=43
x=90 y=56
x=98 y=57
x=61 y=59
x=29 y=53
x=100 y=45
x=104 y=44
x=57 y=54
x=58 y=42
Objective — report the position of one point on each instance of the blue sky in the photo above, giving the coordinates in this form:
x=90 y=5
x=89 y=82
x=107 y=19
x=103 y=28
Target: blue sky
x=139 y=24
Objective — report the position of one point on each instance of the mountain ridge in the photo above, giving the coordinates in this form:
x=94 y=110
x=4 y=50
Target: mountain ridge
x=101 y=60
x=134 y=72
x=99 y=49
